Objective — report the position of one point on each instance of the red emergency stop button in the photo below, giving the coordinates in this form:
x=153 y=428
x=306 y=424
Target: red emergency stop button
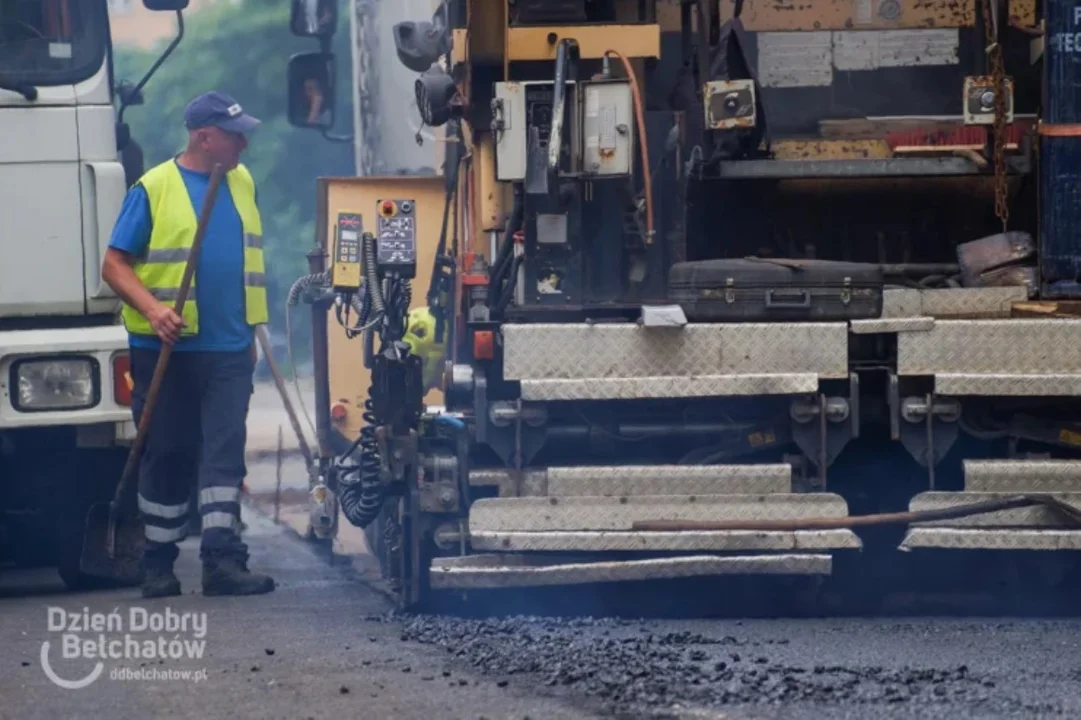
x=337 y=413
x=387 y=208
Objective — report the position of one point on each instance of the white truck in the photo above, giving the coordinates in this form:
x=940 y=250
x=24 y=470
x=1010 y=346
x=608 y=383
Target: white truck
x=66 y=160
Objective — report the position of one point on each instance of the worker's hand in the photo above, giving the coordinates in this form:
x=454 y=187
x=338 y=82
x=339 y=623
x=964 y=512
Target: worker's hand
x=166 y=323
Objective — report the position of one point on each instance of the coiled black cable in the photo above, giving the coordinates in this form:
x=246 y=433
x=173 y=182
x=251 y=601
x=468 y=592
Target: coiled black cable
x=362 y=500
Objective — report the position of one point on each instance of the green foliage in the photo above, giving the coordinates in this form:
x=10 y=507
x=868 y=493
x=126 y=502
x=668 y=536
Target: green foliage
x=243 y=49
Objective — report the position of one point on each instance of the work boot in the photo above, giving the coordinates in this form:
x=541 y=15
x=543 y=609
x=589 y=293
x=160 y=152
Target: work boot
x=225 y=572
x=158 y=577
x=159 y=582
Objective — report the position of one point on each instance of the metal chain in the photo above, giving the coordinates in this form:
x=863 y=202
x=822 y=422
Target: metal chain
x=998 y=77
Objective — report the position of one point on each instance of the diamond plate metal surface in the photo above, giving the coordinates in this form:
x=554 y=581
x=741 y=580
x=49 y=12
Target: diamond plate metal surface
x=992 y=347
x=992 y=302
x=974 y=539
x=445 y=575
x=609 y=513
x=1035 y=516
x=1008 y=385
x=608 y=351
x=995 y=302
x=901 y=303
x=667 y=387
x=669 y=479
x=1023 y=476
x=892 y=325
x=688 y=541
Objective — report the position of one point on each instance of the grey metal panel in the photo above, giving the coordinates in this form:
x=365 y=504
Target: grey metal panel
x=669 y=480
x=688 y=541
x=892 y=325
x=1033 y=516
x=637 y=480
x=609 y=513
x=960 y=303
x=446 y=575
x=1008 y=385
x=901 y=303
x=860 y=168
x=981 y=539
x=667 y=387
x=951 y=303
x=1022 y=476
x=992 y=347
x=610 y=351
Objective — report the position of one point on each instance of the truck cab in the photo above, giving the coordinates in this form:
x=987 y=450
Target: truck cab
x=65 y=411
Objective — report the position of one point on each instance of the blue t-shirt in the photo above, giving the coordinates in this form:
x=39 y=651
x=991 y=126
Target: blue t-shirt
x=219 y=275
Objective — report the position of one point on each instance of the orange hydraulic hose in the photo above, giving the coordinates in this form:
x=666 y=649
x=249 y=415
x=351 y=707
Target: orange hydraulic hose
x=640 y=116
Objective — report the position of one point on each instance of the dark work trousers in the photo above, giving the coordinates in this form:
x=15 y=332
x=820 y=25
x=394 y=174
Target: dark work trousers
x=198 y=429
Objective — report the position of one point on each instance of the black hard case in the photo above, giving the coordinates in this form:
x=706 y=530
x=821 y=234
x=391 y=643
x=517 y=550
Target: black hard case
x=760 y=289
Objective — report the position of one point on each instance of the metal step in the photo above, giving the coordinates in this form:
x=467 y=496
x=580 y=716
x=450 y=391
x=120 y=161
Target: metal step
x=604 y=524
x=1030 y=528
x=627 y=480
x=505 y=570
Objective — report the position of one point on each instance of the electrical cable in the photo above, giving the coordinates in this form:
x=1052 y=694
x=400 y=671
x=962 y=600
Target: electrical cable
x=362 y=500
x=643 y=140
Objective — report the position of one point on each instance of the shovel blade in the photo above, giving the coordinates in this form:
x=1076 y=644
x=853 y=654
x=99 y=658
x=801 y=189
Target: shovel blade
x=124 y=564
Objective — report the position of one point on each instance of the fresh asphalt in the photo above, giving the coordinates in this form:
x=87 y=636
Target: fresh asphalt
x=325 y=644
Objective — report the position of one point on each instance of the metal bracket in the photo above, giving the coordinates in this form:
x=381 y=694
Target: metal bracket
x=822 y=426
x=439 y=486
x=928 y=441
x=978 y=100
x=729 y=104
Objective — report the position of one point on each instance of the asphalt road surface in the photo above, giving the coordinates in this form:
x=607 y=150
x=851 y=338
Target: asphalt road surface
x=327 y=645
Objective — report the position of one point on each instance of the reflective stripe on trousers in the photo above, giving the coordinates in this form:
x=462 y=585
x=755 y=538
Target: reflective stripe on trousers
x=164 y=523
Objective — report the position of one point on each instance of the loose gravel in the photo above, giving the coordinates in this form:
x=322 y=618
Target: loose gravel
x=931 y=668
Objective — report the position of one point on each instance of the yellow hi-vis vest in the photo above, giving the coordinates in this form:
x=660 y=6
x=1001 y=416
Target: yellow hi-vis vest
x=174 y=220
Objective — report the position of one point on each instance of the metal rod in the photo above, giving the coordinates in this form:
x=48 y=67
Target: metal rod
x=320 y=360
x=846 y=523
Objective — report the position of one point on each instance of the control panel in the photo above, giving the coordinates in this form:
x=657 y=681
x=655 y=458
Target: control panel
x=396 y=237
x=346 y=270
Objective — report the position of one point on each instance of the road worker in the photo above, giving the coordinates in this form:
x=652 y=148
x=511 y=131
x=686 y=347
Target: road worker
x=199 y=424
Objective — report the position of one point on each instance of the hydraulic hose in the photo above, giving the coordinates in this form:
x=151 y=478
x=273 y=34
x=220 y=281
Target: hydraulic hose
x=303 y=284
x=306 y=283
x=514 y=224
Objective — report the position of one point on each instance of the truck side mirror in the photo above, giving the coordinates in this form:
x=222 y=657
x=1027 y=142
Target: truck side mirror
x=314 y=18
x=311 y=90
x=174 y=5
x=129 y=93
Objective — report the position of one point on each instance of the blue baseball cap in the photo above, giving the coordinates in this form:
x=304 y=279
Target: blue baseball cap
x=218 y=110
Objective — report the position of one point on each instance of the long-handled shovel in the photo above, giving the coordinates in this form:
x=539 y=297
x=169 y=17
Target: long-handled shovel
x=114 y=538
